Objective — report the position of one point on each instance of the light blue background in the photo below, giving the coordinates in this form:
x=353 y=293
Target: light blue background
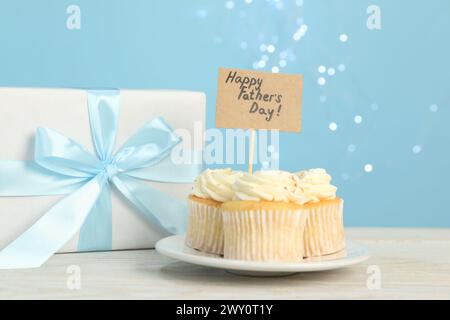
x=402 y=68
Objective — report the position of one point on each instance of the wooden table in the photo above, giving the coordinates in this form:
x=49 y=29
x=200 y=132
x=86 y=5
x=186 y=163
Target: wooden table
x=410 y=263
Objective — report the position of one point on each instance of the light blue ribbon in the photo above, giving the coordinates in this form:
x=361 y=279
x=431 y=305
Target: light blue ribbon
x=61 y=166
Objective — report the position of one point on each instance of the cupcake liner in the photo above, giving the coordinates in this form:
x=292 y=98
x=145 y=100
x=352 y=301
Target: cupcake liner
x=324 y=232
x=205 y=228
x=264 y=234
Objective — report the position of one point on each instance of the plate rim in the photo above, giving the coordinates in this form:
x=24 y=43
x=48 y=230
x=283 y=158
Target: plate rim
x=257 y=266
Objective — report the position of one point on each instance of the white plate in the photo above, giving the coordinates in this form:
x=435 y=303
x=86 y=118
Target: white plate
x=174 y=247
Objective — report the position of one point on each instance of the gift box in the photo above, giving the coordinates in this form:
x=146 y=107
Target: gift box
x=38 y=125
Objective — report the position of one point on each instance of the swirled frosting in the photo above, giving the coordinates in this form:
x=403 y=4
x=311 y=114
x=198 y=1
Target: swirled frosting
x=315 y=184
x=216 y=184
x=271 y=185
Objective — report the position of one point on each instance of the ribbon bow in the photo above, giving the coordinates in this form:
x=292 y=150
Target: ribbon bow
x=61 y=166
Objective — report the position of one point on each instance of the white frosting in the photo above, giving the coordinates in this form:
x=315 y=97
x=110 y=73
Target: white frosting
x=270 y=186
x=315 y=183
x=225 y=185
x=216 y=184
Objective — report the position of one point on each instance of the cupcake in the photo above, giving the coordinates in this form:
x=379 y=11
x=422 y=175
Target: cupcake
x=324 y=231
x=265 y=221
x=205 y=226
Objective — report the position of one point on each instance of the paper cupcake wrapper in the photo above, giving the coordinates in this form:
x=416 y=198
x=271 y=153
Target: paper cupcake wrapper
x=205 y=228
x=264 y=234
x=324 y=232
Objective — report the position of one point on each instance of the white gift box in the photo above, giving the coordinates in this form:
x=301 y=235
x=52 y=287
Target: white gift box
x=22 y=110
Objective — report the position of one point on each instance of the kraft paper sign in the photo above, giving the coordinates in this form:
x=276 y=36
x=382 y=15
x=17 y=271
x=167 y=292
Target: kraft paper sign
x=258 y=100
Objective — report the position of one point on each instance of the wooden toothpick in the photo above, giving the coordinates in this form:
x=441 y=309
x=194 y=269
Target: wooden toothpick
x=251 y=151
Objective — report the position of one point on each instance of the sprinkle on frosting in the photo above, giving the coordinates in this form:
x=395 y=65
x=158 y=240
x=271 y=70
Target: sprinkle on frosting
x=216 y=184
x=315 y=183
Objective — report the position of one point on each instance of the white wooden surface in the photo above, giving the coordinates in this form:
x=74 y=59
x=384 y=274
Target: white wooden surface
x=413 y=263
